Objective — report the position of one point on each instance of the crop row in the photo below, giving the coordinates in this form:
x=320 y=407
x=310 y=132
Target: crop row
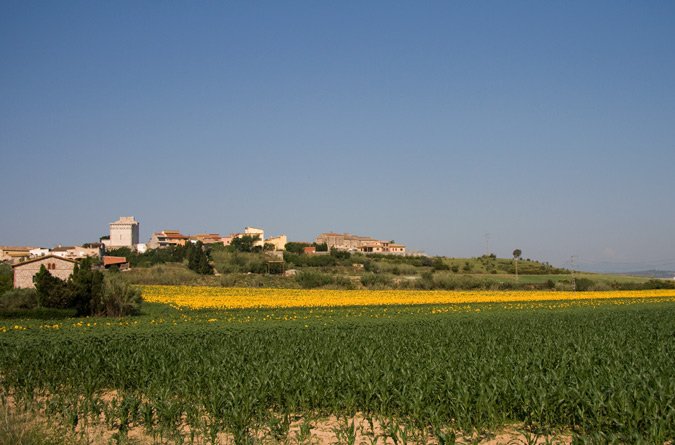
x=601 y=371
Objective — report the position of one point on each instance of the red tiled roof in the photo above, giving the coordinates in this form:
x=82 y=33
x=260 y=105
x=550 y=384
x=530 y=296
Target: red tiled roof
x=110 y=260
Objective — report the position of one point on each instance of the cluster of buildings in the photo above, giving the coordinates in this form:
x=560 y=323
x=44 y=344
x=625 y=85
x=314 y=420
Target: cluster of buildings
x=167 y=238
x=27 y=261
x=15 y=254
x=125 y=233
x=362 y=244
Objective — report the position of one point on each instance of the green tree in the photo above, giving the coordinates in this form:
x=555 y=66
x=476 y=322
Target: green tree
x=295 y=247
x=517 y=254
x=52 y=291
x=198 y=259
x=87 y=288
x=203 y=266
x=245 y=243
x=6 y=277
x=88 y=291
x=323 y=247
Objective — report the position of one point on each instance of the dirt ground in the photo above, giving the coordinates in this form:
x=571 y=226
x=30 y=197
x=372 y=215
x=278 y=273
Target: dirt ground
x=316 y=431
x=333 y=431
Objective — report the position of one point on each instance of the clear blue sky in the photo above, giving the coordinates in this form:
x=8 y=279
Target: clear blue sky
x=548 y=125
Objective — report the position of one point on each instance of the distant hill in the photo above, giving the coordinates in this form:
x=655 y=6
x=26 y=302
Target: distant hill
x=663 y=274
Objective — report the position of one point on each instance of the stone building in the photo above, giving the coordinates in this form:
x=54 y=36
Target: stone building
x=344 y=241
x=279 y=242
x=206 y=238
x=78 y=252
x=123 y=233
x=14 y=254
x=364 y=244
x=24 y=273
x=167 y=238
x=248 y=231
x=253 y=232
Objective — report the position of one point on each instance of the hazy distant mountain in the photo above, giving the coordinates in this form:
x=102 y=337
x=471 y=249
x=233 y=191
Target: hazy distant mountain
x=668 y=274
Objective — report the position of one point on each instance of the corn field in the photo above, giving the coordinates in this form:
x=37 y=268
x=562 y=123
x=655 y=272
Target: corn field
x=193 y=369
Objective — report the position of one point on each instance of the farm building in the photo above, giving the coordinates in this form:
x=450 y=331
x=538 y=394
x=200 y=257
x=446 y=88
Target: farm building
x=24 y=272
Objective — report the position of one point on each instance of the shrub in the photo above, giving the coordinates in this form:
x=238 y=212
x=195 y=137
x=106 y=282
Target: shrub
x=162 y=274
x=171 y=254
x=426 y=281
x=425 y=261
x=392 y=268
x=439 y=264
x=119 y=298
x=310 y=279
x=38 y=313
x=339 y=254
x=240 y=262
x=296 y=248
x=376 y=281
x=584 y=284
x=659 y=284
x=228 y=280
x=310 y=260
x=19 y=299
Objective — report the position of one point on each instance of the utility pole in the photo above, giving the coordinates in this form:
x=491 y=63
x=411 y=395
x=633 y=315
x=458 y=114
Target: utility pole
x=574 y=281
x=487 y=248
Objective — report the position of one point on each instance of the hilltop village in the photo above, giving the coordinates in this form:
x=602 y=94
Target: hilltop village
x=124 y=233
x=331 y=260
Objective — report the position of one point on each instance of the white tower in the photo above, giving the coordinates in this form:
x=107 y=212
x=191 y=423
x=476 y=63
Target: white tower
x=124 y=233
